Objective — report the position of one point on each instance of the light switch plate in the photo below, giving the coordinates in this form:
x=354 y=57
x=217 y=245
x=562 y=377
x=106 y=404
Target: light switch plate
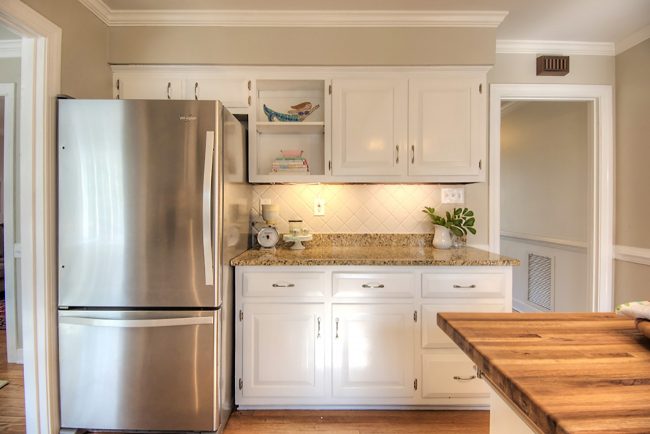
x=452 y=195
x=319 y=206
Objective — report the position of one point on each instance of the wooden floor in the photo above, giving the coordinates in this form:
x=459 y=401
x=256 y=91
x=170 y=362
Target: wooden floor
x=12 y=396
x=12 y=415
x=358 y=422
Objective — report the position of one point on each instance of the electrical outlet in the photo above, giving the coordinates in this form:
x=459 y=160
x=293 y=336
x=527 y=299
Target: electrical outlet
x=452 y=195
x=319 y=206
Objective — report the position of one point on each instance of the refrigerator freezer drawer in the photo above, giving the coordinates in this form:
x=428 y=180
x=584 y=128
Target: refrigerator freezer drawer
x=138 y=370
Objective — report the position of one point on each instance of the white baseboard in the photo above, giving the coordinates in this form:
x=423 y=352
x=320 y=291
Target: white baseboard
x=636 y=255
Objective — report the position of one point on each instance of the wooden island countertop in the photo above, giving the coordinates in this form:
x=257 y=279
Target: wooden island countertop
x=564 y=373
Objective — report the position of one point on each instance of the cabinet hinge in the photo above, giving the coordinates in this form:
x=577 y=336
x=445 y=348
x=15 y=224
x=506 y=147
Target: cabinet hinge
x=241 y=315
x=415 y=384
x=241 y=384
x=117 y=86
x=415 y=316
x=480 y=164
x=330 y=89
x=480 y=88
x=249 y=85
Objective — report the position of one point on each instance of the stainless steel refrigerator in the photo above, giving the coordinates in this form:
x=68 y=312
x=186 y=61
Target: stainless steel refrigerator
x=153 y=202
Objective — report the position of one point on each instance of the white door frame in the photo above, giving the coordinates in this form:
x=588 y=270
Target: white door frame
x=14 y=351
x=603 y=173
x=40 y=80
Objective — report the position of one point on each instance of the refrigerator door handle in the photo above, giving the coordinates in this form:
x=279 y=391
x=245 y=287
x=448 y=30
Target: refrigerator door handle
x=135 y=323
x=207 y=208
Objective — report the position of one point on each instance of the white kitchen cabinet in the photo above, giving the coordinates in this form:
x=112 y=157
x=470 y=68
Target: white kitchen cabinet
x=379 y=342
x=232 y=92
x=369 y=130
x=283 y=350
x=149 y=86
x=373 y=350
x=447 y=130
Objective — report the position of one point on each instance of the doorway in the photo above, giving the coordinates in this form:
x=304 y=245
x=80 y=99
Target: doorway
x=551 y=193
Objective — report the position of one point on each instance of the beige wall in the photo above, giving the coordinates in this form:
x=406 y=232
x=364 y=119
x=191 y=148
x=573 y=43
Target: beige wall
x=302 y=46
x=544 y=169
x=632 y=174
x=84 y=59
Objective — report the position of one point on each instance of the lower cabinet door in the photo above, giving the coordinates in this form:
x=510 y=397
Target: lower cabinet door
x=373 y=347
x=283 y=350
x=450 y=374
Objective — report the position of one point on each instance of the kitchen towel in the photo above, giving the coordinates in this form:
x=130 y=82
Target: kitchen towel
x=635 y=309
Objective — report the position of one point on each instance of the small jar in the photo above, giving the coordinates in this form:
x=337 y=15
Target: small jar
x=295 y=227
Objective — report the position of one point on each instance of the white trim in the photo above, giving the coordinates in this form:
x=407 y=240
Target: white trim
x=515 y=46
x=545 y=240
x=40 y=83
x=10 y=48
x=633 y=39
x=603 y=172
x=636 y=255
x=14 y=348
x=293 y=18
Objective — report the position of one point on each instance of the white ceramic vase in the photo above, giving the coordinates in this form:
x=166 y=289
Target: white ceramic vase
x=441 y=237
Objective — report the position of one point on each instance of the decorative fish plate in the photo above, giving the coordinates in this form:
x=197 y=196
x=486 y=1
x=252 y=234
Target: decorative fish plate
x=298 y=113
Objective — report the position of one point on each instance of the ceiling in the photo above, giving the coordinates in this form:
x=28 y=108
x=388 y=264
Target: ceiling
x=551 y=20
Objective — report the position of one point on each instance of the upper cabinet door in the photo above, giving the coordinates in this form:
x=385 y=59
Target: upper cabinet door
x=232 y=92
x=148 y=86
x=369 y=126
x=447 y=127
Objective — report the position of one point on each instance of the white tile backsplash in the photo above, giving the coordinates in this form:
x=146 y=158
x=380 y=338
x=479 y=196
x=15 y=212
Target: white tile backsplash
x=353 y=208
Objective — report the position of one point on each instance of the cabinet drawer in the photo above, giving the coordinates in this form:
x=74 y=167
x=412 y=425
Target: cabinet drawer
x=284 y=284
x=449 y=373
x=463 y=285
x=376 y=285
x=433 y=336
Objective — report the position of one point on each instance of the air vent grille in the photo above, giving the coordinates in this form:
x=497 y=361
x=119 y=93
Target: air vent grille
x=540 y=281
x=552 y=65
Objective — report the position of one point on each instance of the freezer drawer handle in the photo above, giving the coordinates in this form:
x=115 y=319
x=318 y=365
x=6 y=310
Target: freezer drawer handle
x=136 y=323
x=283 y=285
x=465 y=286
x=372 y=285
x=207 y=202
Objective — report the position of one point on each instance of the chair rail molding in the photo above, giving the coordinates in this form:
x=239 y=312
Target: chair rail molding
x=636 y=255
x=554 y=242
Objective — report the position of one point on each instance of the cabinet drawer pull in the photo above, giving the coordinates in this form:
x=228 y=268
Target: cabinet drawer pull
x=372 y=285
x=397 y=154
x=283 y=285
x=457 y=378
x=337 y=328
x=465 y=286
x=412 y=154
x=196 y=90
x=318 y=331
x=169 y=90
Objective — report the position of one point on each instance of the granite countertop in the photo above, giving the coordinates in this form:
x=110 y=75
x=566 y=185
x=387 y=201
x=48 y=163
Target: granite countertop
x=371 y=249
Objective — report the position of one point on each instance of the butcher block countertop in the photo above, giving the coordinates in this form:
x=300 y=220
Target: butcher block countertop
x=567 y=373
x=371 y=249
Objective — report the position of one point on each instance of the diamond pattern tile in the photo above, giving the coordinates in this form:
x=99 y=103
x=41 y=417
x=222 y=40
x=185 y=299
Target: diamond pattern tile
x=374 y=208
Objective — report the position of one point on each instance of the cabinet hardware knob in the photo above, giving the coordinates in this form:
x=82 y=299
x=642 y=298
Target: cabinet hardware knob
x=196 y=89
x=169 y=88
x=283 y=285
x=372 y=285
x=337 y=328
x=318 y=331
x=465 y=286
x=457 y=378
x=412 y=154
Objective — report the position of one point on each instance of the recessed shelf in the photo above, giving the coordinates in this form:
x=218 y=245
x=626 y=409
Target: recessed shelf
x=290 y=127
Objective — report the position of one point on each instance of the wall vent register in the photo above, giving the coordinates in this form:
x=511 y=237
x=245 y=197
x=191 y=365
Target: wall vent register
x=540 y=281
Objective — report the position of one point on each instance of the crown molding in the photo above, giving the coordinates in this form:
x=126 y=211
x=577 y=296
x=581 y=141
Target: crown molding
x=10 y=48
x=513 y=46
x=291 y=18
x=633 y=39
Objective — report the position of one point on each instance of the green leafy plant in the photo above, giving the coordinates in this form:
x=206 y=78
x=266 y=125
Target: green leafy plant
x=460 y=221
